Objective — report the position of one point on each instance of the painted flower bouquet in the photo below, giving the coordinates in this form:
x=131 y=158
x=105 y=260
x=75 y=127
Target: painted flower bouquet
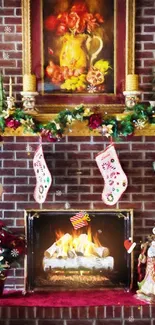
x=77 y=20
x=12 y=247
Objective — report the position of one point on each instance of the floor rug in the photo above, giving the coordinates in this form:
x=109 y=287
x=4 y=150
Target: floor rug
x=71 y=298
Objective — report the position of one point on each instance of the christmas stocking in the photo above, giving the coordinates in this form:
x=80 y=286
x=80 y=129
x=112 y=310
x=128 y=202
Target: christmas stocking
x=43 y=176
x=113 y=174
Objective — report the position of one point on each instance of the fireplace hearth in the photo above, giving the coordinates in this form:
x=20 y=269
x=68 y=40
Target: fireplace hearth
x=78 y=250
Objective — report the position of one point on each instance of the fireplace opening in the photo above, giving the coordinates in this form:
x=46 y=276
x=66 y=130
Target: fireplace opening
x=78 y=249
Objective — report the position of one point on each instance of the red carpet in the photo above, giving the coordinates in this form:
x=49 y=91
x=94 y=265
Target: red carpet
x=71 y=298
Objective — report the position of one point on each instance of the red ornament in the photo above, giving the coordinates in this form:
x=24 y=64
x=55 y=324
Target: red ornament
x=95 y=120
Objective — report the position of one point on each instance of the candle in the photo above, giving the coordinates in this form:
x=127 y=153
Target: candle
x=10 y=87
x=29 y=83
x=132 y=82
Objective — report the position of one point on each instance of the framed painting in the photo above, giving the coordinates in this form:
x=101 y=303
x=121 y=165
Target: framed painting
x=80 y=51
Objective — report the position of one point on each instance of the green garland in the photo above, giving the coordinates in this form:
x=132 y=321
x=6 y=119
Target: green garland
x=54 y=129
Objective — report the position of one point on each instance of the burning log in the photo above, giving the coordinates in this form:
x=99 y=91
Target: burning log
x=79 y=263
x=64 y=241
x=102 y=251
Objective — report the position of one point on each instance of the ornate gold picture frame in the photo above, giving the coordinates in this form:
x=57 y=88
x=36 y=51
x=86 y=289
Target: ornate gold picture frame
x=123 y=57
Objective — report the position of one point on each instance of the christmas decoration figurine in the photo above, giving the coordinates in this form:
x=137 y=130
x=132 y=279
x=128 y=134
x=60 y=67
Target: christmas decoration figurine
x=113 y=174
x=43 y=176
x=147 y=285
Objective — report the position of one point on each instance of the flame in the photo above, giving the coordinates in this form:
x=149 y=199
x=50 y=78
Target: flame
x=78 y=241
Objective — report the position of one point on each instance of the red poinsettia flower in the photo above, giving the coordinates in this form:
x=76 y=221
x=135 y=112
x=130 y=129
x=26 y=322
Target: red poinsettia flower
x=51 y=138
x=63 y=18
x=99 y=18
x=73 y=21
x=90 y=22
x=51 y=23
x=12 y=123
x=82 y=25
x=95 y=120
x=61 y=29
x=79 y=7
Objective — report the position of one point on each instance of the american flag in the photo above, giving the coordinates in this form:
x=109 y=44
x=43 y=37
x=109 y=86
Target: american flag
x=79 y=220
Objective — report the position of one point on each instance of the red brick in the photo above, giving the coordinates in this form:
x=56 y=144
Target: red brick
x=67 y=197
x=149 y=46
x=149 y=12
x=15 y=164
x=18 y=12
x=138 y=322
x=24 y=172
x=149 y=63
x=76 y=322
x=79 y=139
x=66 y=147
x=128 y=205
x=15 y=180
x=142 y=55
x=91 y=147
x=65 y=180
x=74 y=313
x=26 y=322
x=143 y=197
x=20 y=223
x=13 y=214
x=108 y=321
x=7 y=206
x=143 y=38
x=65 y=313
x=28 y=206
x=145 y=20
x=12 y=3
x=85 y=189
x=149 y=205
x=92 y=312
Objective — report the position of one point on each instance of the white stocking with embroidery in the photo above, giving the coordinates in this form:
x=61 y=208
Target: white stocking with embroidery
x=43 y=176
x=113 y=174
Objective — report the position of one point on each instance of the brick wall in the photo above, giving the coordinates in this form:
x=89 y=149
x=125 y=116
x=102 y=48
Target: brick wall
x=65 y=159
x=98 y=315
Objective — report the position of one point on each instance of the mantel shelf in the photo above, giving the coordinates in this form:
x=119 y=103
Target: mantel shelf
x=78 y=128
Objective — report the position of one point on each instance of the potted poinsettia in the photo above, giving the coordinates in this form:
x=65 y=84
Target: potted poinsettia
x=12 y=247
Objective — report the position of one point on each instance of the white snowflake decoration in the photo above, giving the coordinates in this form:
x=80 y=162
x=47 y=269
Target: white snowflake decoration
x=58 y=193
x=91 y=89
x=67 y=205
x=28 y=148
x=7 y=29
x=14 y=252
x=6 y=56
x=131 y=319
x=140 y=124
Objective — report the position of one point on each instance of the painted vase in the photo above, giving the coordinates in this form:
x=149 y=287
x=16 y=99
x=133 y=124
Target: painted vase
x=75 y=50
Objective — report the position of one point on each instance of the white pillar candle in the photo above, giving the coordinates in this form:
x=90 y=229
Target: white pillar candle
x=10 y=87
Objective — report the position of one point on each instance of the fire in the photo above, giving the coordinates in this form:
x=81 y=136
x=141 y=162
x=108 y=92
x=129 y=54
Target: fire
x=77 y=241
x=77 y=251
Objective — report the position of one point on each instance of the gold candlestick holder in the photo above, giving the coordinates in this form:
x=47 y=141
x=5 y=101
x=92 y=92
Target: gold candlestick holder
x=29 y=101
x=131 y=98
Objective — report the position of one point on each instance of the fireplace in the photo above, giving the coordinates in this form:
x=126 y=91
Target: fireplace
x=78 y=250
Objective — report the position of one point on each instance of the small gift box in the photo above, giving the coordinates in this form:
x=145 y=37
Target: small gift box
x=80 y=219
